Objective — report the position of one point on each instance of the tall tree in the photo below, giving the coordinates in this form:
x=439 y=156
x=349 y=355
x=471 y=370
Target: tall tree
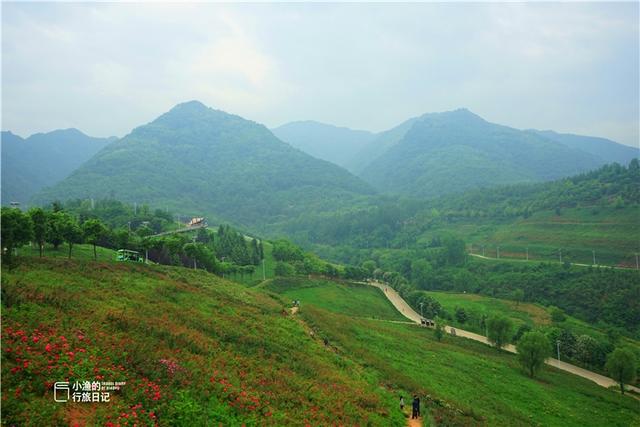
x=533 y=349
x=53 y=234
x=93 y=230
x=39 y=219
x=70 y=230
x=622 y=365
x=499 y=329
x=17 y=230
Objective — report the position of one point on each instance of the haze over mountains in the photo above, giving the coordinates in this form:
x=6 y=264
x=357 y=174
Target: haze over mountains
x=339 y=145
x=197 y=160
x=450 y=152
x=194 y=159
x=42 y=159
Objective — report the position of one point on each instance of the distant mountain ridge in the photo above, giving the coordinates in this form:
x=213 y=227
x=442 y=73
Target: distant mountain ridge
x=604 y=149
x=419 y=157
x=42 y=159
x=194 y=159
x=451 y=152
x=338 y=145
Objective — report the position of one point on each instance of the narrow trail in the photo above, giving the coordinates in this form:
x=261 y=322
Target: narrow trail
x=401 y=305
x=414 y=422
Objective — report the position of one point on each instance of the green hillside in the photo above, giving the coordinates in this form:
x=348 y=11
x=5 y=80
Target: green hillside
x=380 y=144
x=193 y=349
x=354 y=299
x=482 y=385
x=199 y=349
x=445 y=153
x=43 y=159
x=596 y=211
x=196 y=160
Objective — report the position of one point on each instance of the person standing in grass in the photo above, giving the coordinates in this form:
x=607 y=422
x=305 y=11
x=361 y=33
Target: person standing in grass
x=416 y=407
x=402 y=403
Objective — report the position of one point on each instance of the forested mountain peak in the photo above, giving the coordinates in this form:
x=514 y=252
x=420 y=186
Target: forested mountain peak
x=450 y=152
x=198 y=160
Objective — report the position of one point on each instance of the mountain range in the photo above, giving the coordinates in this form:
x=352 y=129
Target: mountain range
x=42 y=159
x=450 y=152
x=197 y=160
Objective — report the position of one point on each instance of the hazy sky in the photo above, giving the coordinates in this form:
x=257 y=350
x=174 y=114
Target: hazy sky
x=106 y=68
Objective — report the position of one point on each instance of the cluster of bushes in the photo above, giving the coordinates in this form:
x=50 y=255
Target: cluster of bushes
x=291 y=260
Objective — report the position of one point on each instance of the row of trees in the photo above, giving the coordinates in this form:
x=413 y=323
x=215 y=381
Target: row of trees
x=40 y=227
x=534 y=347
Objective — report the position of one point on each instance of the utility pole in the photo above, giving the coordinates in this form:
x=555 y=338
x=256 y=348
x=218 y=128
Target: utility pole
x=421 y=304
x=195 y=266
x=594 y=257
x=129 y=225
x=264 y=275
x=527 y=254
x=560 y=255
x=482 y=250
x=558 y=347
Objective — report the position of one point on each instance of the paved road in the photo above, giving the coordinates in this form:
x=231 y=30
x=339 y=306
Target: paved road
x=401 y=305
x=180 y=230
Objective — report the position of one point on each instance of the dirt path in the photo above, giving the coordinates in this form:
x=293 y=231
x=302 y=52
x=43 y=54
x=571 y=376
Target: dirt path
x=414 y=422
x=401 y=305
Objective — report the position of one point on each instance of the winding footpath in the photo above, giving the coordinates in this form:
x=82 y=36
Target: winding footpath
x=401 y=305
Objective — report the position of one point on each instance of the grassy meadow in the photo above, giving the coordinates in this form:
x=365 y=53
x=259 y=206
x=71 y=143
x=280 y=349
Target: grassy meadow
x=193 y=349
x=484 y=385
x=614 y=234
x=353 y=299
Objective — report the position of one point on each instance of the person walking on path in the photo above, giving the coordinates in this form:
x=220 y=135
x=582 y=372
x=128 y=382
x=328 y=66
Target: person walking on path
x=416 y=407
x=402 y=403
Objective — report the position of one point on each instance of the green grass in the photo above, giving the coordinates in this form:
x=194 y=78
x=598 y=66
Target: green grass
x=485 y=386
x=240 y=360
x=534 y=315
x=531 y=314
x=352 y=299
x=79 y=252
x=236 y=359
x=613 y=233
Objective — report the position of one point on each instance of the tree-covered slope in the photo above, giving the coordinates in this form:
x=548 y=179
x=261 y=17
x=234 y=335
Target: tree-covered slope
x=194 y=159
x=444 y=153
x=597 y=210
x=42 y=160
x=379 y=145
x=335 y=144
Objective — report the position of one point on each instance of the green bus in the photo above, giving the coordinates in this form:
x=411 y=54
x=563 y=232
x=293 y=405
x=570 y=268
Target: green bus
x=127 y=255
